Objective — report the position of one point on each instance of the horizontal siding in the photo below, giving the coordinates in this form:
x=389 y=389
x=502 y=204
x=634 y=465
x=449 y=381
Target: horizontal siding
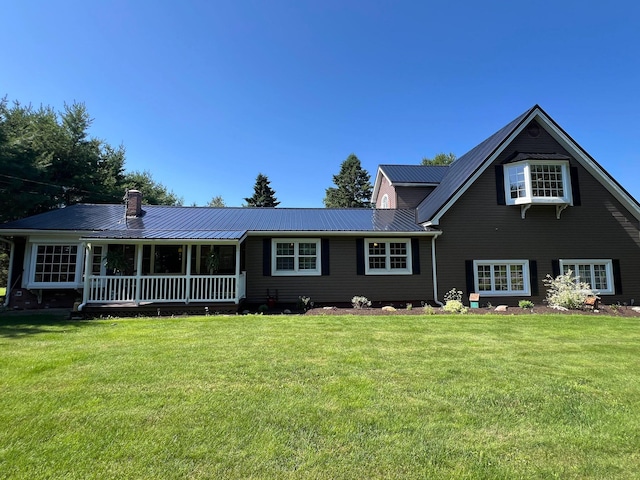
x=476 y=227
x=343 y=283
x=410 y=197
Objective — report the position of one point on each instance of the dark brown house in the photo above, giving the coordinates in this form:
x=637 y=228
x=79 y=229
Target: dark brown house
x=526 y=202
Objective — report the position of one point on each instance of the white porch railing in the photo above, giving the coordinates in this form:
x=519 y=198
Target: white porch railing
x=166 y=288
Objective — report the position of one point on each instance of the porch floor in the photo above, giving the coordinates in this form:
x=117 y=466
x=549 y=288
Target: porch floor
x=150 y=309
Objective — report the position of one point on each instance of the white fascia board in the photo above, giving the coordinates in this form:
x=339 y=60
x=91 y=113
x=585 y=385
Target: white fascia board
x=324 y=233
x=376 y=185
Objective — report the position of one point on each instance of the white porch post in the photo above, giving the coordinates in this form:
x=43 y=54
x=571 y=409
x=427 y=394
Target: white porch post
x=237 y=299
x=188 y=287
x=139 y=249
x=88 y=253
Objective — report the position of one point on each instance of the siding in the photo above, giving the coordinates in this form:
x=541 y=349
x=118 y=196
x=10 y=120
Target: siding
x=476 y=227
x=386 y=188
x=410 y=197
x=343 y=282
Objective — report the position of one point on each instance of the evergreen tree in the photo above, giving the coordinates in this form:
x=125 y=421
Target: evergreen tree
x=440 y=159
x=217 y=201
x=263 y=195
x=353 y=186
x=153 y=193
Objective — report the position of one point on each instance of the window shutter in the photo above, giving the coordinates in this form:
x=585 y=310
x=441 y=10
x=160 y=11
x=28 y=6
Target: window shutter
x=360 y=256
x=468 y=264
x=555 y=268
x=617 y=277
x=324 y=251
x=575 y=186
x=500 y=185
x=266 y=257
x=533 y=277
x=415 y=256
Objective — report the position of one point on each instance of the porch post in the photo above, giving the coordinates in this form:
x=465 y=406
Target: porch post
x=188 y=288
x=139 y=249
x=88 y=253
x=237 y=299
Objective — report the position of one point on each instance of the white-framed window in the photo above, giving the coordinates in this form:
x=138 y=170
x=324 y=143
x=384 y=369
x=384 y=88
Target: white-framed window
x=502 y=277
x=56 y=265
x=384 y=203
x=537 y=181
x=597 y=273
x=384 y=256
x=296 y=256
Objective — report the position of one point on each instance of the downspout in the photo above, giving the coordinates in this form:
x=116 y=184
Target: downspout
x=11 y=254
x=435 y=274
x=88 y=252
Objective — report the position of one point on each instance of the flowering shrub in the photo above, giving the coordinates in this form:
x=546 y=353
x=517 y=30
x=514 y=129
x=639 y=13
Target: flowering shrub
x=453 y=294
x=360 y=302
x=565 y=291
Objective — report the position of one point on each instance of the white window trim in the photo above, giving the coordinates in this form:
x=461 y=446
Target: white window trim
x=77 y=283
x=572 y=263
x=503 y=293
x=388 y=270
x=296 y=271
x=529 y=198
x=384 y=203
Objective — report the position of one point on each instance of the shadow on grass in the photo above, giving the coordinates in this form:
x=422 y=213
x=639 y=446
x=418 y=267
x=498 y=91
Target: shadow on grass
x=19 y=324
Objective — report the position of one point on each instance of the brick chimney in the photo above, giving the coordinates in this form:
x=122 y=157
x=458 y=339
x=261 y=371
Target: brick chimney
x=134 y=203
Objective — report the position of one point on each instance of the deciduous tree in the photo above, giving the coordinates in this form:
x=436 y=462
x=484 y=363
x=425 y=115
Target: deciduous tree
x=440 y=159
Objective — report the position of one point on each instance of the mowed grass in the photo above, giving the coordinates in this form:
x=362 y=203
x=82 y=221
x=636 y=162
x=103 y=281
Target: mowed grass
x=335 y=397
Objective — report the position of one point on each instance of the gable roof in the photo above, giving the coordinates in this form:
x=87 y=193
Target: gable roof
x=466 y=169
x=164 y=222
x=409 y=175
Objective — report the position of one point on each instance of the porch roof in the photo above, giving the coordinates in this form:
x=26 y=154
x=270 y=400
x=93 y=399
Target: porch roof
x=167 y=235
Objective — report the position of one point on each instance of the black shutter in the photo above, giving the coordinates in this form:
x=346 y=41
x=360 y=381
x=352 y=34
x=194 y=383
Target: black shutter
x=324 y=251
x=360 y=256
x=415 y=256
x=266 y=257
x=617 y=277
x=555 y=268
x=468 y=265
x=500 y=185
x=533 y=277
x=575 y=186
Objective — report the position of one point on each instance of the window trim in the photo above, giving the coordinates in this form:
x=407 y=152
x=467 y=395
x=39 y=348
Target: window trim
x=526 y=277
x=408 y=270
x=79 y=266
x=384 y=202
x=573 y=262
x=529 y=198
x=296 y=272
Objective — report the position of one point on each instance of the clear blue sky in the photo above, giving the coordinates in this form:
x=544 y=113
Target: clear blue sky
x=207 y=94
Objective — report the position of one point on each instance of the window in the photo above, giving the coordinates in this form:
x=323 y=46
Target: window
x=387 y=257
x=502 y=277
x=537 y=182
x=296 y=257
x=56 y=264
x=385 y=201
x=597 y=273
x=97 y=261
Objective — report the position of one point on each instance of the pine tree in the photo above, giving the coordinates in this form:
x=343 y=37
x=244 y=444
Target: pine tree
x=353 y=186
x=263 y=195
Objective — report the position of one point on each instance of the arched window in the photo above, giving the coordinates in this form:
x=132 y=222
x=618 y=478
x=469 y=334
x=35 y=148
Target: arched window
x=384 y=203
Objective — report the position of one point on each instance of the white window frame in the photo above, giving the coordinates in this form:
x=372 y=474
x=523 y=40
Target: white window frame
x=500 y=293
x=79 y=265
x=573 y=263
x=384 y=203
x=296 y=271
x=529 y=198
x=408 y=270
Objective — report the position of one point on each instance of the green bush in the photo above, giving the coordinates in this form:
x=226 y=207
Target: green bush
x=525 y=304
x=565 y=291
x=454 y=306
x=428 y=310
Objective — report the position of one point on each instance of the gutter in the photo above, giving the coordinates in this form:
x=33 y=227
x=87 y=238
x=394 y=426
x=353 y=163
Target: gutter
x=11 y=255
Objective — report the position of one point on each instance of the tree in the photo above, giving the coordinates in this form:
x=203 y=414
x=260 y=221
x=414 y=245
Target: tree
x=353 y=186
x=440 y=159
x=217 y=201
x=153 y=193
x=263 y=195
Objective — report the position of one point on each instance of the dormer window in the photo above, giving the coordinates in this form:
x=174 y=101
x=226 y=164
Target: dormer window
x=532 y=181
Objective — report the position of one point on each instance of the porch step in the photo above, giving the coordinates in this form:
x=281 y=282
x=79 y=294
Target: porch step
x=157 y=309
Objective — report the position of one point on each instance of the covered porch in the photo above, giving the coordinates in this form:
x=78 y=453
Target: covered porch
x=126 y=272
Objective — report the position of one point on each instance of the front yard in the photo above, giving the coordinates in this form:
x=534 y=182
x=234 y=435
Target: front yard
x=404 y=396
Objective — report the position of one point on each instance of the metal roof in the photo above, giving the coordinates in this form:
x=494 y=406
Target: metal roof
x=463 y=169
x=109 y=221
x=429 y=174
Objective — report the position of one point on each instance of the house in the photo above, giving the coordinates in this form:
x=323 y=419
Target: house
x=526 y=202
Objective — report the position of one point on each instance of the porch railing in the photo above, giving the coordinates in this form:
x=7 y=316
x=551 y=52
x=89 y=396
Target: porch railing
x=166 y=288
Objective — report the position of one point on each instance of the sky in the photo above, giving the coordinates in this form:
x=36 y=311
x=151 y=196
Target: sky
x=207 y=94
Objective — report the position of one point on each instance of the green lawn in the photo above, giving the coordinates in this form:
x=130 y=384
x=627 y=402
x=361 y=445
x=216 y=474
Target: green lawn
x=320 y=397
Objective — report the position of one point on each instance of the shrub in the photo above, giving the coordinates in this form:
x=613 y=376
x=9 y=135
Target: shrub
x=565 y=291
x=263 y=308
x=453 y=294
x=304 y=303
x=428 y=310
x=454 y=306
x=409 y=306
x=525 y=304
x=360 y=302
